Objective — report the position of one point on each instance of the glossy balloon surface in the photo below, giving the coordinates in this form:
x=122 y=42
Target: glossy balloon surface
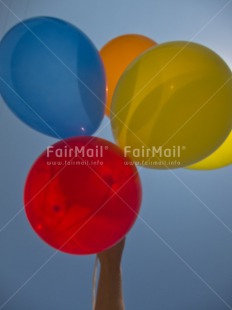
x=117 y=54
x=81 y=197
x=52 y=77
x=173 y=105
x=221 y=158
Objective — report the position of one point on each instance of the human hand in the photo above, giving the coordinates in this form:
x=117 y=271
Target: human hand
x=113 y=256
x=110 y=294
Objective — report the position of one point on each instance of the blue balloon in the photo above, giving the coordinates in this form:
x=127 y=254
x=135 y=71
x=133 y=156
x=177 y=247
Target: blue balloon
x=52 y=77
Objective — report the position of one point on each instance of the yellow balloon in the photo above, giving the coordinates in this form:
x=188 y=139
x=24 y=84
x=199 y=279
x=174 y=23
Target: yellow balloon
x=222 y=157
x=172 y=106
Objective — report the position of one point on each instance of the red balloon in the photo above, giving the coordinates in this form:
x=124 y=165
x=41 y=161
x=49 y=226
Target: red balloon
x=82 y=195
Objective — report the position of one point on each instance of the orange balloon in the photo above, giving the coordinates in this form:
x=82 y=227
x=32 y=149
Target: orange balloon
x=117 y=54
